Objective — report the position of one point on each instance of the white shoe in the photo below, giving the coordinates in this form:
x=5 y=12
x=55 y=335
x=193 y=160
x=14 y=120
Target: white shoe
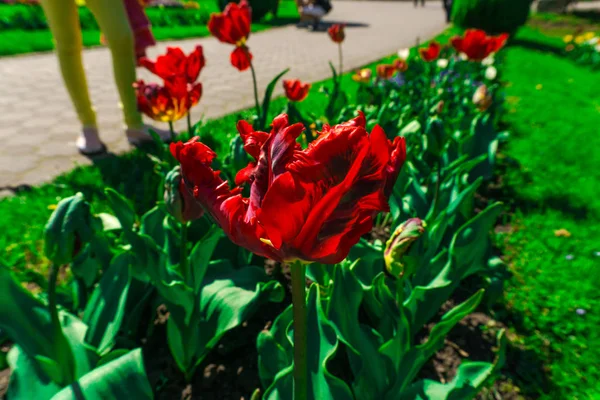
x=89 y=143
x=138 y=136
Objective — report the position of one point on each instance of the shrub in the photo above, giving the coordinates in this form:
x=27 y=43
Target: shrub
x=493 y=16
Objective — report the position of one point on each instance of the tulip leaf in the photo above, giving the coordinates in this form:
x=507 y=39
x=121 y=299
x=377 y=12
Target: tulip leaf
x=106 y=307
x=418 y=355
x=26 y=321
x=121 y=378
x=228 y=297
x=152 y=225
x=267 y=99
x=275 y=349
x=470 y=378
x=471 y=242
x=202 y=254
x=322 y=345
x=109 y=222
x=343 y=311
x=27 y=377
x=122 y=209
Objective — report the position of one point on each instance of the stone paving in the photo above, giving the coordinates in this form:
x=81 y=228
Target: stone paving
x=38 y=126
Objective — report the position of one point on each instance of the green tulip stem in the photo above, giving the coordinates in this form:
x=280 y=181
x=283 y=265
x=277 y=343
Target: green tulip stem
x=52 y=299
x=341 y=60
x=300 y=332
x=437 y=187
x=189 y=124
x=183 y=255
x=257 y=105
x=172 y=130
x=66 y=360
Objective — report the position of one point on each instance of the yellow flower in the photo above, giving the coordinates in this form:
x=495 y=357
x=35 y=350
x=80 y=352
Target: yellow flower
x=580 y=39
x=568 y=38
x=589 y=35
x=363 y=75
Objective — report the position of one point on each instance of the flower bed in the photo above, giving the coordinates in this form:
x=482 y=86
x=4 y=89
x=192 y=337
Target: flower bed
x=371 y=200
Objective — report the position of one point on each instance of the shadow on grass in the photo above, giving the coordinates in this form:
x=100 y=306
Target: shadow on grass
x=323 y=26
x=536 y=45
x=592 y=16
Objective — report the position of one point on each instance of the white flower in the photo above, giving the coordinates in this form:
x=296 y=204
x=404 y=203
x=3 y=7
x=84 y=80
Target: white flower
x=490 y=73
x=463 y=56
x=403 y=54
x=442 y=63
x=593 y=41
x=489 y=60
x=598 y=48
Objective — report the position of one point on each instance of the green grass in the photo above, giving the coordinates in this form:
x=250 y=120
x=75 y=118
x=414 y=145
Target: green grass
x=23 y=41
x=553 y=112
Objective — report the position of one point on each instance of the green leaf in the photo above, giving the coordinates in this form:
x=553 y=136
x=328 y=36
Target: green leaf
x=469 y=380
x=122 y=209
x=228 y=297
x=106 y=308
x=109 y=222
x=368 y=367
x=122 y=378
x=26 y=321
x=321 y=347
x=275 y=349
x=201 y=255
x=471 y=242
x=267 y=99
x=27 y=377
x=418 y=355
x=152 y=225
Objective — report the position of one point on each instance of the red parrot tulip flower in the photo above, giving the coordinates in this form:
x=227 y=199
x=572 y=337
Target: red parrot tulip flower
x=430 y=53
x=477 y=45
x=176 y=63
x=336 y=33
x=295 y=90
x=233 y=26
x=401 y=65
x=170 y=102
x=386 y=71
x=311 y=205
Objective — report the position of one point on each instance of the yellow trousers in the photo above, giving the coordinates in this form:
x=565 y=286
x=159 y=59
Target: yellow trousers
x=111 y=16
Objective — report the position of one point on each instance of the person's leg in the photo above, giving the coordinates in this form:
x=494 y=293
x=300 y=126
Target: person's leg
x=63 y=21
x=112 y=19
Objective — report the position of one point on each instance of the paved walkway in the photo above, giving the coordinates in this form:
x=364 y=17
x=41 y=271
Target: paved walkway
x=38 y=126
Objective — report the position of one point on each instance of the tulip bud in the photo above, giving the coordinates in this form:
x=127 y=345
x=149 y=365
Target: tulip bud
x=68 y=230
x=397 y=263
x=482 y=98
x=179 y=201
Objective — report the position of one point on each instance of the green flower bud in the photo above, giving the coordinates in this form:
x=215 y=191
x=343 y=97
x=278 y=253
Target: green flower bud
x=179 y=201
x=397 y=263
x=68 y=230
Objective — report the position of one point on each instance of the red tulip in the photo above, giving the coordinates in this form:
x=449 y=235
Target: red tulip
x=477 y=45
x=295 y=90
x=241 y=58
x=175 y=63
x=233 y=26
x=430 y=53
x=312 y=204
x=401 y=65
x=385 y=71
x=170 y=102
x=336 y=32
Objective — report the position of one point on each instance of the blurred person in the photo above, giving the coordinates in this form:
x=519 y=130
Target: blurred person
x=448 y=8
x=313 y=10
x=113 y=17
